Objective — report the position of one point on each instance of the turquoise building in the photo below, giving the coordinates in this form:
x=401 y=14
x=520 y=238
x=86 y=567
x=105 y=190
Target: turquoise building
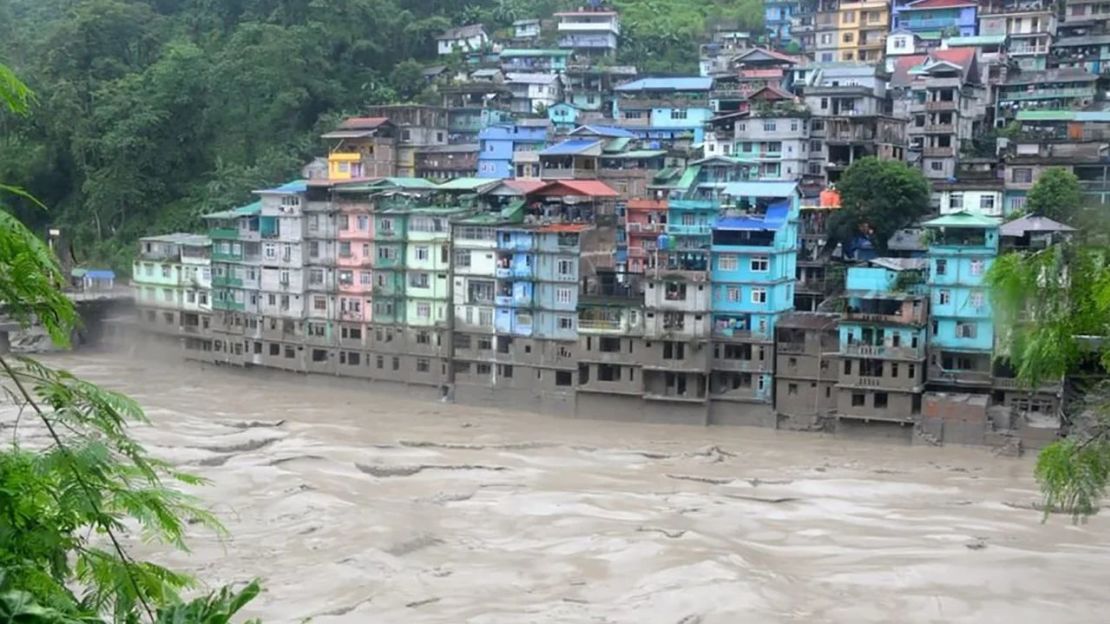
x=962 y=247
x=665 y=107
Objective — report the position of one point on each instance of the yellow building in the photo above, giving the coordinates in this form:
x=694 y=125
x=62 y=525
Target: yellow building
x=862 y=28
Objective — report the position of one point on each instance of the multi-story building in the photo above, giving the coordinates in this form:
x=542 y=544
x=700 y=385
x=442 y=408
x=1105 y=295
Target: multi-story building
x=1095 y=12
x=753 y=254
x=427 y=261
x=235 y=256
x=931 y=19
x=534 y=60
x=851 y=118
x=806 y=369
x=748 y=72
x=962 y=247
x=976 y=188
x=417 y=126
x=826 y=29
x=949 y=108
x=281 y=296
x=589 y=32
x=665 y=107
x=778 y=16
x=1074 y=140
x=1029 y=24
x=462 y=39
x=534 y=92
x=1064 y=88
x=172 y=278
x=446 y=162
x=645 y=221
x=774 y=138
x=505 y=150
x=815 y=279
x=1090 y=52
x=362 y=147
x=324 y=204
x=589 y=88
x=526 y=30
x=883 y=341
x=862 y=30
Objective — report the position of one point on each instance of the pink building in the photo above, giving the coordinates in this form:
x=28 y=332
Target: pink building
x=355 y=258
x=645 y=220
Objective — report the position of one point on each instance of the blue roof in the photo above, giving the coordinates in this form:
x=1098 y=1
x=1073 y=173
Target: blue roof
x=773 y=219
x=611 y=132
x=296 y=186
x=668 y=84
x=100 y=274
x=761 y=189
x=570 y=147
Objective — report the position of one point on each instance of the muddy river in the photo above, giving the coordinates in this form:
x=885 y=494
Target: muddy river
x=365 y=506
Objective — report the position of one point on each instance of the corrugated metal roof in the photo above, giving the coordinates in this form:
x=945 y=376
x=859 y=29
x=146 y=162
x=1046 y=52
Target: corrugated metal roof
x=530 y=52
x=963 y=219
x=602 y=131
x=466 y=184
x=1032 y=224
x=938 y=4
x=667 y=84
x=643 y=153
x=616 y=145
x=296 y=186
x=979 y=40
x=584 y=188
x=521 y=78
x=572 y=147
x=901 y=264
x=1063 y=115
x=761 y=189
x=181 y=238
x=688 y=177
x=243 y=211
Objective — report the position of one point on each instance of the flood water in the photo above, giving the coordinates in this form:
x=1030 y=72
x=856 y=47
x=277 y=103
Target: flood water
x=365 y=506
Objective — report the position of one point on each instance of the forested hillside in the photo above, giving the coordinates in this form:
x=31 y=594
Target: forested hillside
x=152 y=112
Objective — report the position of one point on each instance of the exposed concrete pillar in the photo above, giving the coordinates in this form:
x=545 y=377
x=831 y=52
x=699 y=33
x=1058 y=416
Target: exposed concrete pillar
x=5 y=342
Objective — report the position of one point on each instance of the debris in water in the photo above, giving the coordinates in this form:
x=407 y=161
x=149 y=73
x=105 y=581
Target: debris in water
x=217 y=460
x=242 y=447
x=575 y=600
x=978 y=544
x=756 y=482
x=251 y=424
x=759 y=499
x=690 y=619
x=709 y=480
x=413 y=545
x=462 y=446
x=421 y=603
x=675 y=534
x=716 y=453
x=283 y=460
x=408 y=471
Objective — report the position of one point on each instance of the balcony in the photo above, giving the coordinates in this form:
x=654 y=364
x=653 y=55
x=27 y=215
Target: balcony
x=939 y=152
x=600 y=325
x=941 y=105
x=939 y=129
x=223 y=280
x=960 y=377
x=868 y=317
x=883 y=351
x=790 y=347
x=503 y=273
x=593 y=27
x=931 y=23
x=225 y=233
x=695 y=229
x=1009 y=383
x=646 y=228
x=1041 y=94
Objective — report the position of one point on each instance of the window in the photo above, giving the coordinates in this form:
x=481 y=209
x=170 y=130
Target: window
x=792 y=389
x=289 y=354
x=365 y=278
x=956 y=201
x=563 y=378
x=858 y=399
x=423 y=365
x=941 y=267
x=759 y=295
x=976 y=300
x=976 y=267
x=880 y=400
x=566 y=322
x=1023 y=175
x=732 y=293
x=944 y=297
x=462 y=258
x=418 y=280
x=563 y=295
x=986 y=203
x=566 y=267
x=380 y=362
x=826 y=38
x=275 y=349
x=396 y=363
x=423 y=310
x=899 y=43
x=423 y=337
x=936 y=165
x=769 y=126
x=319 y=303
x=727 y=262
x=506 y=370
x=848 y=37
x=760 y=264
x=678 y=113
x=966 y=330
x=421 y=253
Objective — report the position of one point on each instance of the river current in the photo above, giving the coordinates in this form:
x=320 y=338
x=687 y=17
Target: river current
x=359 y=504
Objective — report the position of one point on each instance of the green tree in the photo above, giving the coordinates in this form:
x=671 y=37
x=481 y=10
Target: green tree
x=66 y=504
x=878 y=198
x=1053 y=306
x=1055 y=195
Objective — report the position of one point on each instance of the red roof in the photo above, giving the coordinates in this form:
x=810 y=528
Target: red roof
x=564 y=227
x=902 y=66
x=524 y=186
x=957 y=56
x=363 y=123
x=937 y=4
x=771 y=92
x=583 y=188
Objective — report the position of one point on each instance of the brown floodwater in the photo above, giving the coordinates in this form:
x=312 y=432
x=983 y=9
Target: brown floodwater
x=364 y=505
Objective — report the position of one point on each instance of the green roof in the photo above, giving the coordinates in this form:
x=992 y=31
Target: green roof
x=963 y=219
x=1063 y=115
x=976 y=41
x=616 y=145
x=242 y=211
x=526 y=52
x=466 y=184
x=688 y=177
x=405 y=183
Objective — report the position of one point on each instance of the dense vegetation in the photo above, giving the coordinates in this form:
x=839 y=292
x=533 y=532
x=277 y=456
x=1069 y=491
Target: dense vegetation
x=151 y=112
x=878 y=198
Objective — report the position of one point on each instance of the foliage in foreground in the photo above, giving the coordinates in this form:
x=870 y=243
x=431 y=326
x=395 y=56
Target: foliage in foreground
x=73 y=483
x=1055 y=304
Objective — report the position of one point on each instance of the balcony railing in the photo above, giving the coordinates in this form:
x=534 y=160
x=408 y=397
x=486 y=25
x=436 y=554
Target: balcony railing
x=883 y=351
x=791 y=347
x=939 y=128
x=939 y=152
x=599 y=324
x=940 y=105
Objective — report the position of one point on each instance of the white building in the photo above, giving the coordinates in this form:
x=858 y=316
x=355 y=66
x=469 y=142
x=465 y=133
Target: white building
x=530 y=91
x=465 y=38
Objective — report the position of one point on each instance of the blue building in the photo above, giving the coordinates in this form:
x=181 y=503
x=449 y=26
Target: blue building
x=536 y=291
x=962 y=247
x=928 y=19
x=753 y=259
x=882 y=341
x=563 y=116
x=668 y=107
x=498 y=143
x=514 y=294
x=777 y=15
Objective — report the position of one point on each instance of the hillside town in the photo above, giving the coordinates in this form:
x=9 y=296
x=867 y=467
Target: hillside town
x=566 y=235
